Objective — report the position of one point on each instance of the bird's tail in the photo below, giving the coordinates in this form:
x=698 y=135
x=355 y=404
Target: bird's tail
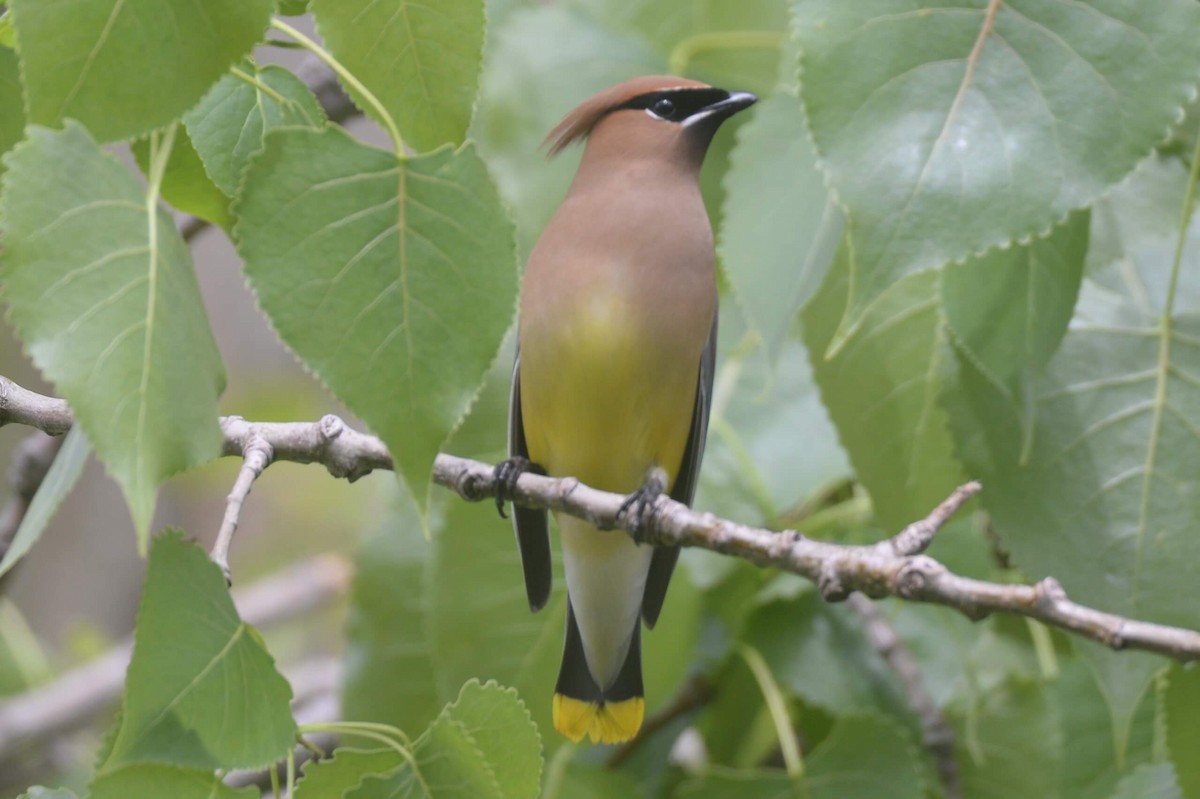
x=581 y=708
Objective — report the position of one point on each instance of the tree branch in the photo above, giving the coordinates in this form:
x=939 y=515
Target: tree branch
x=936 y=733
x=29 y=467
x=877 y=570
x=74 y=698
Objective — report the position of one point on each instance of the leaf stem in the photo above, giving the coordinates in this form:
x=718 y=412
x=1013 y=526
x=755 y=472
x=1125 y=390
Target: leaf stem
x=347 y=77
x=291 y=772
x=1165 y=333
x=274 y=773
x=683 y=53
x=1189 y=205
x=362 y=730
x=160 y=154
x=257 y=83
x=777 y=706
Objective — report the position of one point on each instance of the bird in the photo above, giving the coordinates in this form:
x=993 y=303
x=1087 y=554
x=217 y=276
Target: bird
x=612 y=381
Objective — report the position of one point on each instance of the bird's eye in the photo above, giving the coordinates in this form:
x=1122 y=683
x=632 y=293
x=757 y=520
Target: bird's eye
x=664 y=108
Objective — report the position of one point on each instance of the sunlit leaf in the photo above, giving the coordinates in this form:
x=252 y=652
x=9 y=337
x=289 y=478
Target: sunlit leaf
x=1181 y=707
x=228 y=124
x=125 y=339
x=201 y=689
x=12 y=104
x=124 y=67
x=393 y=280
x=420 y=59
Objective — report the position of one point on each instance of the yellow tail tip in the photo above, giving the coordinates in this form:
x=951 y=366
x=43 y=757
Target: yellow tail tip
x=607 y=722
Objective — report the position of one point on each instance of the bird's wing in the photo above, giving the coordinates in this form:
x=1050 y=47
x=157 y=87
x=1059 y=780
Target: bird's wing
x=684 y=490
x=530 y=524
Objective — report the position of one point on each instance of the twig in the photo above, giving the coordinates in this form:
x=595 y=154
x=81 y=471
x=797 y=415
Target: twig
x=80 y=694
x=696 y=692
x=256 y=456
x=30 y=464
x=876 y=570
x=936 y=733
x=916 y=538
x=22 y=406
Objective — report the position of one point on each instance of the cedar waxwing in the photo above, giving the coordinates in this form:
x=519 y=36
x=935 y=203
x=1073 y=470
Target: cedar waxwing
x=614 y=373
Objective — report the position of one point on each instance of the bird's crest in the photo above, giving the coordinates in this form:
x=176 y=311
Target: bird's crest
x=580 y=121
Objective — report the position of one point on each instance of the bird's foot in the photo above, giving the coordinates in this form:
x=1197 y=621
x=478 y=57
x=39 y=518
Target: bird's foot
x=506 y=473
x=638 y=507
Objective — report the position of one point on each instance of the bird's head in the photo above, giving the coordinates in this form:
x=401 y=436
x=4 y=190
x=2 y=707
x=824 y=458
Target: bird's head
x=656 y=116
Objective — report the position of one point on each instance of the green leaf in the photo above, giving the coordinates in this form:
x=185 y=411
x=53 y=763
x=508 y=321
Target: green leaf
x=333 y=777
x=420 y=59
x=12 y=104
x=575 y=780
x=1091 y=763
x=1099 y=491
x=60 y=479
x=365 y=264
x=483 y=746
x=201 y=689
x=751 y=472
x=125 y=338
x=781 y=228
x=881 y=391
x=1149 y=782
x=162 y=780
x=8 y=37
x=291 y=8
x=1181 y=706
x=526 y=90
x=728 y=44
x=229 y=123
x=125 y=67
x=1009 y=309
x=1006 y=117
x=185 y=184
x=864 y=757
x=38 y=792
x=1135 y=230
x=1010 y=744
x=824 y=658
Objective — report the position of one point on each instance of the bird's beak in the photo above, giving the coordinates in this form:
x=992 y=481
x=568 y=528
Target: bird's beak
x=722 y=109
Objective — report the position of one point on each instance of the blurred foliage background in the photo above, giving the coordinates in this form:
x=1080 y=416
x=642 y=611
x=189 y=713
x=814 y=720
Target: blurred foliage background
x=926 y=278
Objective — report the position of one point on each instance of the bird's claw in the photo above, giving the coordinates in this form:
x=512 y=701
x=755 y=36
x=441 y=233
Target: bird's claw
x=507 y=473
x=638 y=507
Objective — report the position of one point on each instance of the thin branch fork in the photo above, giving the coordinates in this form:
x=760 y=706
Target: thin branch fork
x=893 y=567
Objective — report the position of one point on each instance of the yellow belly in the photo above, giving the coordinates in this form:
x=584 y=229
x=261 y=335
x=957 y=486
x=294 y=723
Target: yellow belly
x=602 y=401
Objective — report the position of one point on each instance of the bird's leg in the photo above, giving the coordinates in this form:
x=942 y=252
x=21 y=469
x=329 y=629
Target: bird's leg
x=506 y=473
x=641 y=502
